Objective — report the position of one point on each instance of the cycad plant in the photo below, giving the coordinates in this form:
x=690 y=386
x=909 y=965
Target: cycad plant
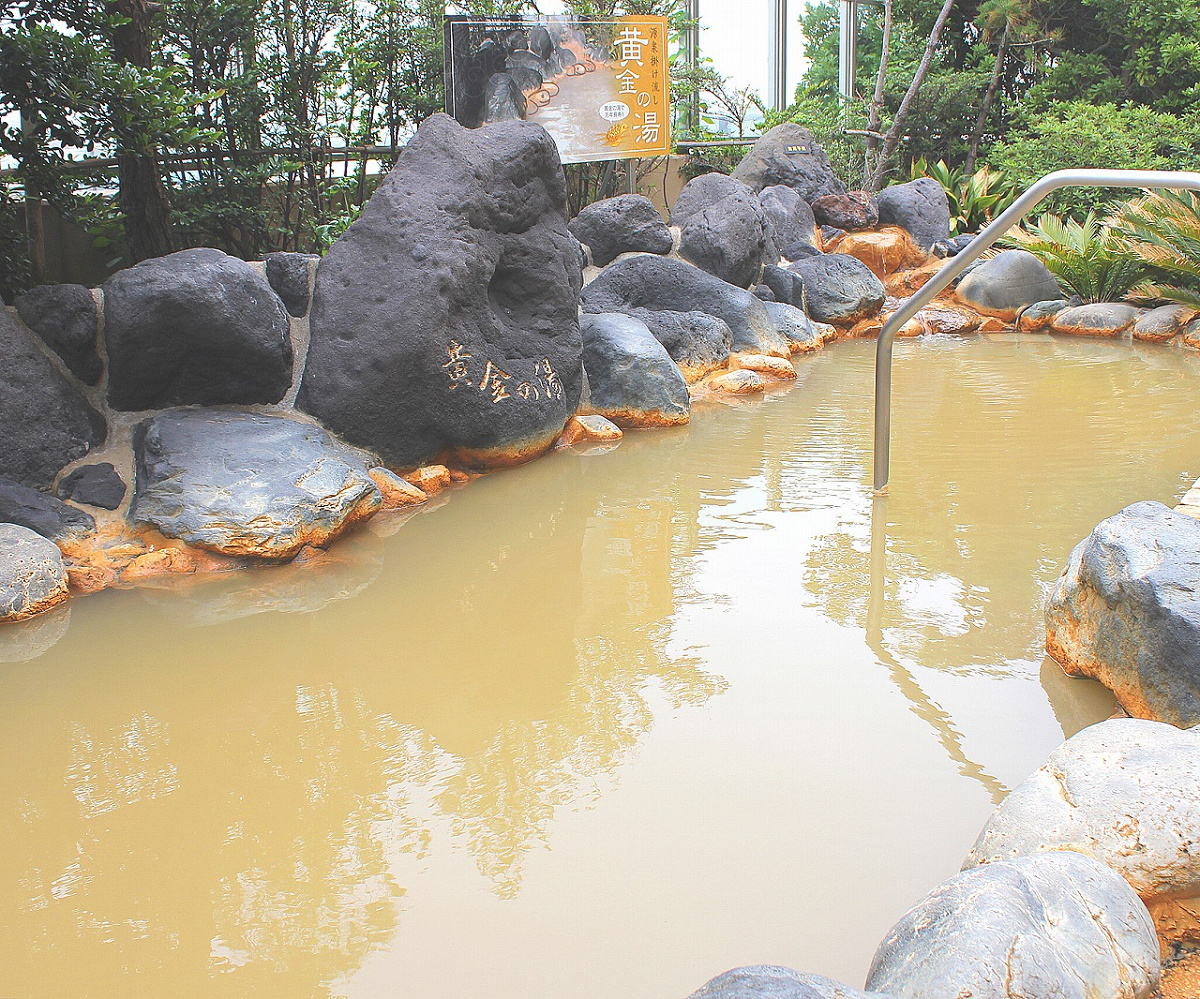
x=1087 y=258
x=1163 y=228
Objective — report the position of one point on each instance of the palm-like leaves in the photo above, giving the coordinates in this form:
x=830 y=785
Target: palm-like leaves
x=1087 y=259
x=1163 y=228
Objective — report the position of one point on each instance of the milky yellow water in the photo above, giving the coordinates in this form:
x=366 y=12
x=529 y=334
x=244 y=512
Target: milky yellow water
x=602 y=726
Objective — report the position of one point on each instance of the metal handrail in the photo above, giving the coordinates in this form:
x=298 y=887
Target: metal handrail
x=1152 y=179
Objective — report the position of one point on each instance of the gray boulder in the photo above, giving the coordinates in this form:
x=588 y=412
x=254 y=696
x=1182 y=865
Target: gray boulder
x=1039 y=316
x=467 y=346
x=1101 y=319
x=768 y=981
x=287 y=273
x=703 y=192
x=785 y=285
x=247 y=484
x=94 y=485
x=920 y=206
x=794 y=326
x=789 y=154
x=839 y=288
x=789 y=219
x=641 y=285
x=1126 y=792
x=631 y=377
x=32 y=576
x=1126 y=612
x=65 y=317
x=1007 y=283
x=697 y=342
x=197 y=327
x=629 y=223
x=41 y=513
x=850 y=212
x=47 y=421
x=1049 y=924
x=729 y=239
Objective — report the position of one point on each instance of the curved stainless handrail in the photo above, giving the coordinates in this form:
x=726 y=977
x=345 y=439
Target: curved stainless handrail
x=1154 y=179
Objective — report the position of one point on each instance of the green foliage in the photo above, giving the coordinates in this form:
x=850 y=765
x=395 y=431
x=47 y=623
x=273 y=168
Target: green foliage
x=974 y=200
x=1163 y=229
x=1086 y=258
x=1078 y=134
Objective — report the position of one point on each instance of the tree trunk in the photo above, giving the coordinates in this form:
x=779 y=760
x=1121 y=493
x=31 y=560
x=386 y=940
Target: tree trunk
x=993 y=86
x=877 y=99
x=892 y=139
x=143 y=196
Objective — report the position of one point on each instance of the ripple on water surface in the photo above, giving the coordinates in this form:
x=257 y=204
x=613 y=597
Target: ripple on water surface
x=597 y=726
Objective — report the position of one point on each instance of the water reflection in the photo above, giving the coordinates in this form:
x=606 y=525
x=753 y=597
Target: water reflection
x=312 y=780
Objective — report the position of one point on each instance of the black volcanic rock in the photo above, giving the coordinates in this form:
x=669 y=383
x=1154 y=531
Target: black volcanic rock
x=789 y=154
x=47 y=421
x=621 y=225
x=197 y=327
x=93 y=485
x=65 y=317
x=445 y=320
x=287 y=273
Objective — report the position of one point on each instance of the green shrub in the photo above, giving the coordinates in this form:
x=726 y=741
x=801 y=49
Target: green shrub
x=1080 y=135
x=1163 y=229
x=1088 y=259
x=975 y=200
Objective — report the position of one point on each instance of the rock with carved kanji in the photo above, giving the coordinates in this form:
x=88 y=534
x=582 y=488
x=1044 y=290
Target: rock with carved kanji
x=445 y=320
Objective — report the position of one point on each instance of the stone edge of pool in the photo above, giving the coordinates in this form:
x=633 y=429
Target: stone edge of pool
x=464 y=325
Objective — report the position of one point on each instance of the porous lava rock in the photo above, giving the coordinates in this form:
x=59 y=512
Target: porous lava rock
x=197 y=327
x=723 y=229
x=287 y=273
x=1007 y=283
x=729 y=239
x=32 y=576
x=46 y=515
x=1047 y=924
x=789 y=219
x=920 y=206
x=466 y=347
x=852 y=211
x=703 y=192
x=795 y=327
x=65 y=317
x=626 y=224
x=789 y=154
x=839 y=288
x=632 y=380
x=1100 y=319
x=247 y=484
x=94 y=485
x=643 y=286
x=769 y=981
x=47 y=421
x=1126 y=612
x=1126 y=792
